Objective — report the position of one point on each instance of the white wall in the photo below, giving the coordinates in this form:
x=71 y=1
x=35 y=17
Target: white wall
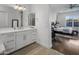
x=53 y=17
x=42 y=13
x=55 y=8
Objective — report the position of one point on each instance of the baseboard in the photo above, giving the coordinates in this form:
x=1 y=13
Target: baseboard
x=20 y=48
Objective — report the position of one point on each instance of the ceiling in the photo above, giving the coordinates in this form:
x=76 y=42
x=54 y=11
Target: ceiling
x=58 y=7
x=53 y=7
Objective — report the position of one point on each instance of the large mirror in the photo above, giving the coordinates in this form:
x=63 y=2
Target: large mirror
x=8 y=13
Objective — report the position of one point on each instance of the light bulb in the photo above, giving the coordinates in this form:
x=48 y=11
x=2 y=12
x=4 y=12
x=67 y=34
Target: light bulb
x=16 y=7
x=24 y=9
x=20 y=8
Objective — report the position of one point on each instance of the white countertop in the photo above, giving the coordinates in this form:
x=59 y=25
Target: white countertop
x=8 y=30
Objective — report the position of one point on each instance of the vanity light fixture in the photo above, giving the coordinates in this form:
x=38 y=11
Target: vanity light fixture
x=20 y=8
x=16 y=7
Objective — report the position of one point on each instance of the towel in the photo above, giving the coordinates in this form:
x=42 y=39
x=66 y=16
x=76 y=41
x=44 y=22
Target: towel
x=2 y=48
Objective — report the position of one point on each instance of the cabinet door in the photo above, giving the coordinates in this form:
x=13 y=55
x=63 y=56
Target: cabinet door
x=9 y=42
x=19 y=40
x=29 y=37
x=34 y=35
x=9 y=46
x=26 y=39
x=25 y=42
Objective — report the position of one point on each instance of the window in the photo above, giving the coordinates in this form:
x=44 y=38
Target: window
x=72 y=22
x=76 y=23
x=69 y=23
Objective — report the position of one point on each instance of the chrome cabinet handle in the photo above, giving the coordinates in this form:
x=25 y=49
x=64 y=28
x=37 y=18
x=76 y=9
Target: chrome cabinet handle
x=24 y=38
x=10 y=41
x=9 y=49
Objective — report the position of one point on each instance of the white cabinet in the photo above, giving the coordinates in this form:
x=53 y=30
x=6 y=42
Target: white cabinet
x=24 y=38
x=9 y=42
x=19 y=40
x=29 y=37
x=34 y=35
x=25 y=42
x=16 y=40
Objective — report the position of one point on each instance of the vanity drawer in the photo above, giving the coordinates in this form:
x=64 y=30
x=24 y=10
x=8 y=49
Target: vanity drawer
x=9 y=41
x=9 y=50
x=9 y=46
x=8 y=34
x=7 y=37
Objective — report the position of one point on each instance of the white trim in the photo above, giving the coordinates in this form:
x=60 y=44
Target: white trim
x=69 y=10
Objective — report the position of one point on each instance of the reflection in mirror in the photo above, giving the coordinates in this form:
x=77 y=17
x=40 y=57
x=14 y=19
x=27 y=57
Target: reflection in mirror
x=7 y=13
x=31 y=19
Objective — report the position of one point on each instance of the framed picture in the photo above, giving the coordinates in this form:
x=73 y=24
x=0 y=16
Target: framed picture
x=15 y=23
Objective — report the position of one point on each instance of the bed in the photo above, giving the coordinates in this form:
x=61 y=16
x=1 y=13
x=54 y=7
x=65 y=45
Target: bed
x=66 y=30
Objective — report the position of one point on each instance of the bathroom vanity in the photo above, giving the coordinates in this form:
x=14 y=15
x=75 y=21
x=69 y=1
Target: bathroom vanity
x=18 y=38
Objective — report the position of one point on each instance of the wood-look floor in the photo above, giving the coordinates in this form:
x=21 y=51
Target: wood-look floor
x=67 y=46
x=36 y=49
